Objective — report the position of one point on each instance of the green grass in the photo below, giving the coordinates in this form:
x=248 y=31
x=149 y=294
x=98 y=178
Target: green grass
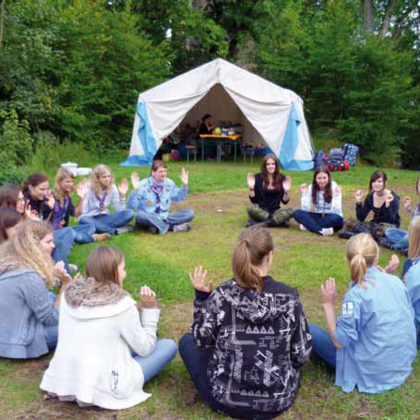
x=219 y=198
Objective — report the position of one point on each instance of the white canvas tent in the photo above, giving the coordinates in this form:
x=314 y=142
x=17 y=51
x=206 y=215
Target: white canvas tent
x=269 y=113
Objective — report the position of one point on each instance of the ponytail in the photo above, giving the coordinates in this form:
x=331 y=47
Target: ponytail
x=244 y=272
x=361 y=253
x=253 y=245
x=358 y=269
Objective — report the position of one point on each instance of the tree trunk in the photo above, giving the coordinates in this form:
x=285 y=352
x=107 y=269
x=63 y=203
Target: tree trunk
x=2 y=21
x=387 y=19
x=367 y=16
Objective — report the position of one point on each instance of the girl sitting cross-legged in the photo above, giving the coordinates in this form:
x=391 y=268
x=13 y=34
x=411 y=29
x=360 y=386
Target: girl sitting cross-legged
x=249 y=338
x=28 y=311
x=324 y=195
x=106 y=350
x=267 y=190
x=103 y=193
x=372 y=344
x=64 y=207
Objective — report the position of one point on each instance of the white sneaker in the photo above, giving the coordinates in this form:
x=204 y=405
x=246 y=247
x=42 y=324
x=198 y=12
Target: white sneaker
x=327 y=231
x=303 y=228
x=183 y=227
x=124 y=229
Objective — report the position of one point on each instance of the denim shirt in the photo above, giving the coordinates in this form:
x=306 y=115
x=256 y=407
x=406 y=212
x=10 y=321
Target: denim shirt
x=145 y=199
x=377 y=333
x=25 y=307
x=412 y=283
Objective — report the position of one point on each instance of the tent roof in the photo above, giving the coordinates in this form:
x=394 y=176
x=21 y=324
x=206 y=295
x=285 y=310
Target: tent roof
x=200 y=80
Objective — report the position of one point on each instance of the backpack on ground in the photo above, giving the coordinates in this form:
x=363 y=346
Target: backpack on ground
x=351 y=151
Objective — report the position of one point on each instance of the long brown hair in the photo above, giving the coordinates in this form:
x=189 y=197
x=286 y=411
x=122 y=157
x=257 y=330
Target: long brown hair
x=414 y=239
x=375 y=176
x=361 y=253
x=9 y=195
x=315 y=186
x=8 y=218
x=103 y=263
x=277 y=176
x=33 y=180
x=253 y=245
x=62 y=174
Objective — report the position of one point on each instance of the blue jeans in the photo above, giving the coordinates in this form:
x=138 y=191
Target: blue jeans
x=84 y=233
x=322 y=345
x=398 y=237
x=51 y=331
x=315 y=222
x=108 y=223
x=63 y=241
x=144 y=220
x=164 y=351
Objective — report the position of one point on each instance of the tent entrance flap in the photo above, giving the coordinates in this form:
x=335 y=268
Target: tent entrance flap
x=145 y=147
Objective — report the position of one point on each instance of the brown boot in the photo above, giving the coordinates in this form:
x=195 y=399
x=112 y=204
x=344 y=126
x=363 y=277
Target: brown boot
x=97 y=237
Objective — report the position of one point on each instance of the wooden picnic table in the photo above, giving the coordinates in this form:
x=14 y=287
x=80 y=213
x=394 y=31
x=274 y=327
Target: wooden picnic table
x=219 y=138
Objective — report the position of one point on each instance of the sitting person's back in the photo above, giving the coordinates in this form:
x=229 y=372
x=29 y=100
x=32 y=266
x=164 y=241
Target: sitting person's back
x=249 y=337
x=103 y=342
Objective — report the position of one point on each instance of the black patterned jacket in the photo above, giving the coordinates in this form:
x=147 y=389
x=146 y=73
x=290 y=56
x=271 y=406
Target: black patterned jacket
x=260 y=341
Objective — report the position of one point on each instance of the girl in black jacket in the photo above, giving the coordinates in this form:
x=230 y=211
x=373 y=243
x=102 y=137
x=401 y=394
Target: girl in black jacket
x=249 y=338
x=267 y=190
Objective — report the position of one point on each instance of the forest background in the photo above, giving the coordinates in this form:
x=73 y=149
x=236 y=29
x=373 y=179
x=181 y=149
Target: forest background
x=71 y=71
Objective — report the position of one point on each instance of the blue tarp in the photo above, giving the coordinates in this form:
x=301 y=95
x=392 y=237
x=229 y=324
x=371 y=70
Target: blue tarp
x=145 y=136
x=290 y=145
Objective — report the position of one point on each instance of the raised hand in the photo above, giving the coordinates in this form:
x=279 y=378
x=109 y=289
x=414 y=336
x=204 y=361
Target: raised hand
x=123 y=187
x=393 y=264
x=337 y=191
x=358 y=196
x=304 y=189
x=82 y=188
x=407 y=202
x=31 y=214
x=389 y=199
x=184 y=177
x=287 y=184
x=135 y=181
x=147 y=298
x=50 y=200
x=250 y=179
x=198 y=280
x=329 y=292
x=60 y=272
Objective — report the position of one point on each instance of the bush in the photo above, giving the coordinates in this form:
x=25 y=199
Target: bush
x=50 y=154
x=16 y=142
x=10 y=174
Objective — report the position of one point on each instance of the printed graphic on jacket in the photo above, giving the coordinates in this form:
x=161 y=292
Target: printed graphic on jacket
x=260 y=342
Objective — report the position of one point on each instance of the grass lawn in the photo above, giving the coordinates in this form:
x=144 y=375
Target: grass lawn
x=218 y=196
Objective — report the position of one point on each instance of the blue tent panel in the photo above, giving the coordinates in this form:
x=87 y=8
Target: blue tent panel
x=148 y=141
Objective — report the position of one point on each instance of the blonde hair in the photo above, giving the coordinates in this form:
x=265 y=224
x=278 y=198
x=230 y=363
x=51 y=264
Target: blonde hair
x=62 y=174
x=414 y=238
x=361 y=252
x=25 y=247
x=253 y=245
x=103 y=263
x=94 y=179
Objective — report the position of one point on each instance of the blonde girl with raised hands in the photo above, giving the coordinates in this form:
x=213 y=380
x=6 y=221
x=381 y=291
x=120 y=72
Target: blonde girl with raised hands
x=98 y=317
x=372 y=344
x=101 y=195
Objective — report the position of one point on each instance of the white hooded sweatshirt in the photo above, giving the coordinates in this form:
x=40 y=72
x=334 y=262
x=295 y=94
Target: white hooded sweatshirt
x=93 y=363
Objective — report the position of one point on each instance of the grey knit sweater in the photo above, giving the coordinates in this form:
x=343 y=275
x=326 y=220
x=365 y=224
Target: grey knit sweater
x=25 y=307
